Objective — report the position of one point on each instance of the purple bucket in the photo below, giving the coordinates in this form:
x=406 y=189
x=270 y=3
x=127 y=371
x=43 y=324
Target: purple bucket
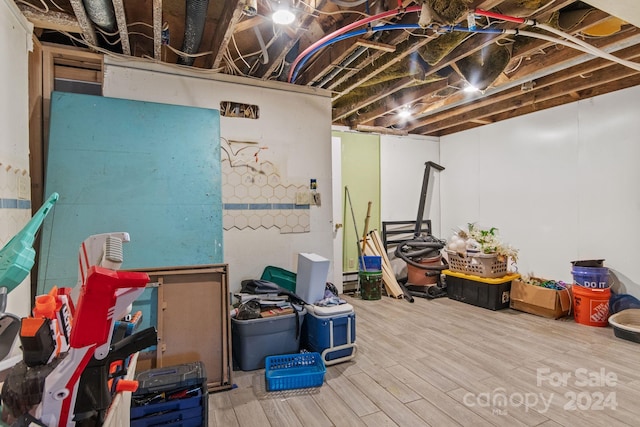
x=591 y=277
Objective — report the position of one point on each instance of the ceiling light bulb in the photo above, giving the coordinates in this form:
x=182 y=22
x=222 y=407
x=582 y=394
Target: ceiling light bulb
x=471 y=88
x=404 y=113
x=282 y=14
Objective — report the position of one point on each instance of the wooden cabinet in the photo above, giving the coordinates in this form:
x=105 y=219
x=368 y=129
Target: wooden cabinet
x=193 y=320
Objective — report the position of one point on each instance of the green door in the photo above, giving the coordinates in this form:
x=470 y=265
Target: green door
x=361 y=175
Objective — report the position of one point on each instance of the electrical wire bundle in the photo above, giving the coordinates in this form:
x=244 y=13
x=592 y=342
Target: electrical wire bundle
x=345 y=32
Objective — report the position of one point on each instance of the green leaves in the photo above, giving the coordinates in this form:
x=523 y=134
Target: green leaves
x=490 y=242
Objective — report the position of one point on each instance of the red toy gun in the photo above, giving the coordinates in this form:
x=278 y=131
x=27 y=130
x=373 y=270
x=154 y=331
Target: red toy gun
x=76 y=383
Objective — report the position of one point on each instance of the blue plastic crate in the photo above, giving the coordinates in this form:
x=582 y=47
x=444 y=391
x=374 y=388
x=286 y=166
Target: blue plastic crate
x=291 y=371
x=172 y=405
x=185 y=418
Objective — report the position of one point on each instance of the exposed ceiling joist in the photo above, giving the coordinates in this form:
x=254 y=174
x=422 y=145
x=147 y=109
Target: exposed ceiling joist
x=88 y=31
x=121 y=20
x=231 y=14
x=374 y=74
x=52 y=20
x=157 y=29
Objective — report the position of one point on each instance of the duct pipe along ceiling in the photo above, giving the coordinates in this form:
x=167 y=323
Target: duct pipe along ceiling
x=195 y=18
x=101 y=13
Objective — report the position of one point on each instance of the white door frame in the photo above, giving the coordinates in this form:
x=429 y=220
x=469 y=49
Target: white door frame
x=336 y=187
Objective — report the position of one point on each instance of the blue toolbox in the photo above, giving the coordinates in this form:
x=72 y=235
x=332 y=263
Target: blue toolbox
x=330 y=331
x=171 y=396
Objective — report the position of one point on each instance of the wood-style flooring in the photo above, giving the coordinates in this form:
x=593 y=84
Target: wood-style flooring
x=446 y=363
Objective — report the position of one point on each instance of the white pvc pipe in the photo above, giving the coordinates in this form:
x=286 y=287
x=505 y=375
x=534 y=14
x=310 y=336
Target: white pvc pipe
x=578 y=46
x=263 y=47
x=592 y=49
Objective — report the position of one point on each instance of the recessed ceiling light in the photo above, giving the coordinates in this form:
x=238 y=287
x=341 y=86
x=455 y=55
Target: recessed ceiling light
x=282 y=14
x=404 y=113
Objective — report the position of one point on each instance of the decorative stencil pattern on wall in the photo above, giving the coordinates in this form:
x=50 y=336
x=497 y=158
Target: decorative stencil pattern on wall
x=15 y=209
x=255 y=196
x=15 y=186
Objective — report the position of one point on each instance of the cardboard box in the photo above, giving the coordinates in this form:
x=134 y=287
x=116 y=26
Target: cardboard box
x=539 y=300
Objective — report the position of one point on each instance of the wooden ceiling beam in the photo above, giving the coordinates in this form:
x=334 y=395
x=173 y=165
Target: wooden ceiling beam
x=52 y=20
x=623 y=83
x=383 y=115
x=403 y=50
x=560 y=88
x=382 y=130
x=88 y=31
x=343 y=50
x=385 y=47
x=247 y=23
x=396 y=86
x=231 y=15
x=121 y=21
x=563 y=84
x=157 y=29
x=559 y=59
x=471 y=45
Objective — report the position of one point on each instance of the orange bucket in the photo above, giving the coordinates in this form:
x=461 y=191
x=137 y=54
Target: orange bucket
x=591 y=305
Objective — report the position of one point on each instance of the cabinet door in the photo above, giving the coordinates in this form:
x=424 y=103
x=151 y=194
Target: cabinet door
x=193 y=320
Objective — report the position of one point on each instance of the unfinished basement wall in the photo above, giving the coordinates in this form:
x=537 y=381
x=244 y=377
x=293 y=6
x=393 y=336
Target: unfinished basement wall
x=267 y=162
x=402 y=168
x=560 y=184
x=15 y=194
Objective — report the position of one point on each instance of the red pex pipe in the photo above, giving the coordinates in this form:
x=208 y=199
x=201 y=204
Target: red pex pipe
x=346 y=29
x=507 y=18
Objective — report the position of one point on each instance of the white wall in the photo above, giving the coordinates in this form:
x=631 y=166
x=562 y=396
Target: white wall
x=560 y=184
x=402 y=166
x=295 y=126
x=15 y=42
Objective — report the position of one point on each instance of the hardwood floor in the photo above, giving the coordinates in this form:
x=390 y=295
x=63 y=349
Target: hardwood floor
x=446 y=363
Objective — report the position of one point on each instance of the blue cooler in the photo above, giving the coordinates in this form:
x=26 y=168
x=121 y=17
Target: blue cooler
x=330 y=331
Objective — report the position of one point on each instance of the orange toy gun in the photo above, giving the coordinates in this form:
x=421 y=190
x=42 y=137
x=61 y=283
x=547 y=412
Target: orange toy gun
x=46 y=334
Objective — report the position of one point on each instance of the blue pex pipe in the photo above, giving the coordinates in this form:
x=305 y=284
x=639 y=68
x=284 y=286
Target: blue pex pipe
x=447 y=29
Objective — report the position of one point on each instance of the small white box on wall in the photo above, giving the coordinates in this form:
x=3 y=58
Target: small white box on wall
x=311 y=278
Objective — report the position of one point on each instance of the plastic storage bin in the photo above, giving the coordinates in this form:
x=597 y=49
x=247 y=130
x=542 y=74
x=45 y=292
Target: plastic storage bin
x=171 y=405
x=255 y=339
x=493 y=294
x=182 y=418
x=280 y=277
x=173 y=396
x=626 y=324
x=330 y=331
x=291 y=371
x=170 y=378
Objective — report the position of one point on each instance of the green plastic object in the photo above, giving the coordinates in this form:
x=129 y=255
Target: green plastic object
x=18 y=256
x=281 y=277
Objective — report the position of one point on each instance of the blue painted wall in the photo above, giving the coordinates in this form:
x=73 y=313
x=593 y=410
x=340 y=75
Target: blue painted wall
x=152 y=170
